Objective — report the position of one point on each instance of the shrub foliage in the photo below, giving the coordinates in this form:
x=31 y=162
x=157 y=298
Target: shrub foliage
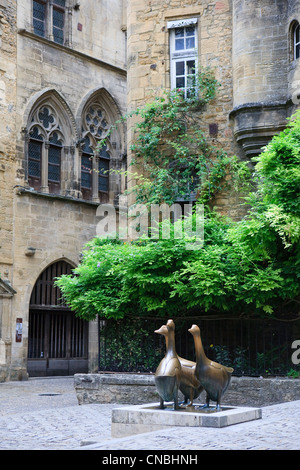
x=249 y=267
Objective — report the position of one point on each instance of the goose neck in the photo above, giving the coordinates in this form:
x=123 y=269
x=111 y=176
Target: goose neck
x=200 y=354
x=171 y=343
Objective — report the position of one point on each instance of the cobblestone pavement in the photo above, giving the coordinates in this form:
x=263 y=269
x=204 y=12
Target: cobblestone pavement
x=43 y=414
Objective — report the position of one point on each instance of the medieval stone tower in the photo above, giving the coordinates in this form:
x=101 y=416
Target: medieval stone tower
x=68 y=70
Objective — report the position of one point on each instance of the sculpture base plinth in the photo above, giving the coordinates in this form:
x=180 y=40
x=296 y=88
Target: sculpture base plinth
x=139 y=419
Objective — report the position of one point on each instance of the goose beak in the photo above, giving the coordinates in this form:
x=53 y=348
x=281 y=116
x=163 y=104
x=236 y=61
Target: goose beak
x=193 y=327
x=161 y=330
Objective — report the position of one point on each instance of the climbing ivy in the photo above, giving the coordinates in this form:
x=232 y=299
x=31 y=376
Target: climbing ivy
x=171 y=154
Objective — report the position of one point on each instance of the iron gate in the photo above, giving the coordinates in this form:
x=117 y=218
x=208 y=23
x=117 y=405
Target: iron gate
x=57 y=339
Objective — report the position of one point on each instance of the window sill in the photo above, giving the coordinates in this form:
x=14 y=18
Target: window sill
x=21 y=190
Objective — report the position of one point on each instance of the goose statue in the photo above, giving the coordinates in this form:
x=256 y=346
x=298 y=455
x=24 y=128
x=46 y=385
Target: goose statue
x=214 y=377
x=168 y=374
x=189 y=384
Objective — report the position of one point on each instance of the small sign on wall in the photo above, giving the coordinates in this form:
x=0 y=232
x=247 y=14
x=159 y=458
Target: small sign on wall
x=19 y=329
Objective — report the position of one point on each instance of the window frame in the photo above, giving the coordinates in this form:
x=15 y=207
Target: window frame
x=96 y=127
x=184 y=55
x=87 y=190
x=50 y=29
x=43 y=21
x=46 y=128
x=35 y=180
x=54 y=185
x=105 y=175
x=62 y=10
x=296 y=45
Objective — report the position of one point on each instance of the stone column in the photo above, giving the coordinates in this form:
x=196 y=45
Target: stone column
x=259 y=70
x=44 y=170
x=95 y=179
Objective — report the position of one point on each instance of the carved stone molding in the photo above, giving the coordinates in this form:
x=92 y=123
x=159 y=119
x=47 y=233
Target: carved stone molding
x=6 y=290
x=256 y=123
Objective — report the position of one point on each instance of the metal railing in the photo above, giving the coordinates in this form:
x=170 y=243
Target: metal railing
x=253 y=347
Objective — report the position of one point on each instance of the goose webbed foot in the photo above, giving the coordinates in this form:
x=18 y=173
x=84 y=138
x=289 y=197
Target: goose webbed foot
x=184 y=402
x=202 y=407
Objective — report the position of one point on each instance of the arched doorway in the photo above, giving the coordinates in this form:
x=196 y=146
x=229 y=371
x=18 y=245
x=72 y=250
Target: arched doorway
x=57 y=339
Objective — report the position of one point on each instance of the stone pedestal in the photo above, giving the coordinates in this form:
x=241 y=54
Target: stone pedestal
x=139 y=419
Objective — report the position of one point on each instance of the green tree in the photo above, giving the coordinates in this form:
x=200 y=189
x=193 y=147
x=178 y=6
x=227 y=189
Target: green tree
x=250 y=267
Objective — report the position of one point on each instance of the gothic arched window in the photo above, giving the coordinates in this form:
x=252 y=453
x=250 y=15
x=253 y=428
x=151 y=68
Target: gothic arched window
x=45 y=146
x=95 y=156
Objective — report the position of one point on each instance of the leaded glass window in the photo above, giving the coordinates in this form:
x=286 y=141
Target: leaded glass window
x=54 y=161
x=96 y=122
x=87 y=165
x=103 y=180
x=48 y=18
x=35 y=146
x=95 y=162
x=58 y=25
x=46 y=117
x=61 y=3
x=45 y=150
x=39 y=17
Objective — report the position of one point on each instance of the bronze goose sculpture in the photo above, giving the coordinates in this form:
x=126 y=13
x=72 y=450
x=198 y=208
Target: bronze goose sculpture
x=168 y=374
x=214 y=377
x=189 y=384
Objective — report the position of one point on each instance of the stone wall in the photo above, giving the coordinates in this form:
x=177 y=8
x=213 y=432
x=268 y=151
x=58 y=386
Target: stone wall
x=265 y=73
x=8 y=98
x=89 y=65
x=252 y=64
x=137 y=389
x=149 y=68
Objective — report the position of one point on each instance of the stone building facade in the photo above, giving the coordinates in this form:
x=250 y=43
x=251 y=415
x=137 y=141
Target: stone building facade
x=68 y=70
x=63 y=83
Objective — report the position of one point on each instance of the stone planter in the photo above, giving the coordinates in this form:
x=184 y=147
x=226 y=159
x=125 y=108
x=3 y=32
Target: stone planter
x=140 y=388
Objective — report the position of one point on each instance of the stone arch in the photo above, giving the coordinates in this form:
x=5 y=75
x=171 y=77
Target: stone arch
x=101 y=95
x=99 y=181
x=40 y=268
x=58 y=175
x=57 y=339
x=54 y=98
